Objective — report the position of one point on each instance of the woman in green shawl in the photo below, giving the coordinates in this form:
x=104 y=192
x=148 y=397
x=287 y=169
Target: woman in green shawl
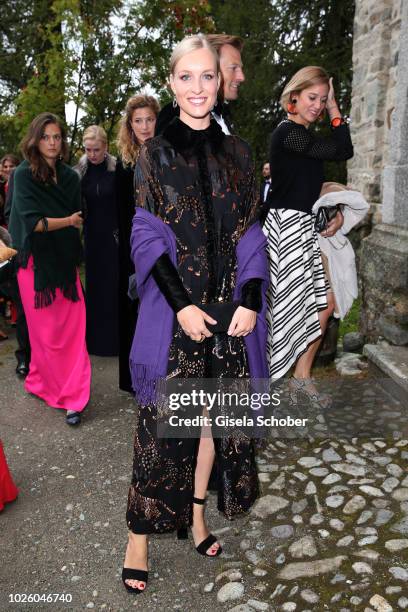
x=44 y=225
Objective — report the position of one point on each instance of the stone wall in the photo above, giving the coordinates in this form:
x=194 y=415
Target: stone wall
x=375 y=56
x=380 y=166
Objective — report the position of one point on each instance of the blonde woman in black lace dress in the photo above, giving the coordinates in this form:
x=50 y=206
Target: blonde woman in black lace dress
x=194 y=232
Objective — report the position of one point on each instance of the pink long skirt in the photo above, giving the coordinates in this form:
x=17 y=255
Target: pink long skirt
x=60 y=370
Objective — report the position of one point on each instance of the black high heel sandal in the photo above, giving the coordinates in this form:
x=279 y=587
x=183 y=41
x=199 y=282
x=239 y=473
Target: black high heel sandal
x=134 y=574
x=182 y=533
x=202 y=548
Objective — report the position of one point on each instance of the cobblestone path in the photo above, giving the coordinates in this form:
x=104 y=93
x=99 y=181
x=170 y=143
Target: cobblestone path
x=329 y=532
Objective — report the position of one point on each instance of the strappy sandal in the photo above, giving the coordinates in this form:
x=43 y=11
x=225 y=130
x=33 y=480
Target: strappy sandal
x=304 y=388
x=206 y=543
x=134 y=574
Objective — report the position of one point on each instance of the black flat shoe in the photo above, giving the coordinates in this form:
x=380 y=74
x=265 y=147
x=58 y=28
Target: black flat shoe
x=205 y=544
x=134 y=574
x=73 y=418
x=22 y=369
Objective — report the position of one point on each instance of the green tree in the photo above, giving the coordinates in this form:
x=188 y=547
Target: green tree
x=95 y=54
x=30 y=36
x=21 y=43
x=45 y=89
x=124 y=49
x=91 y=54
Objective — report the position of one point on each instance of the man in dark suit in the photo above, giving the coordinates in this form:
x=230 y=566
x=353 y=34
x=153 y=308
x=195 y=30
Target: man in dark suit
x=23 y=352
x=266 y=182
x=229 y=49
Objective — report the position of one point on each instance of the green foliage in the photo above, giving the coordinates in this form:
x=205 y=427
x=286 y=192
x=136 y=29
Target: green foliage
x=129 y=55
x=351 y=321
x=40 y=87
x=9 y=138
x=95 y=54
x=20 y=43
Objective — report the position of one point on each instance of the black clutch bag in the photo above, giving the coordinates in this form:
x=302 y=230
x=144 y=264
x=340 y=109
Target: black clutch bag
x=324 y=215
x=222 y=312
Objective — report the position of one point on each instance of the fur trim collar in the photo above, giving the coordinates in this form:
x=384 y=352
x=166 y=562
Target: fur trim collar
x=183 y=138
x=82 y=165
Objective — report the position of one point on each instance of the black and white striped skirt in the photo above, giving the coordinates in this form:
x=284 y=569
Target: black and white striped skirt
x=298 y=287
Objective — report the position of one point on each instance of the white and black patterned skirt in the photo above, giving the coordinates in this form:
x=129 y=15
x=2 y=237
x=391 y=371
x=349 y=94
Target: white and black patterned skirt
x=298 y=287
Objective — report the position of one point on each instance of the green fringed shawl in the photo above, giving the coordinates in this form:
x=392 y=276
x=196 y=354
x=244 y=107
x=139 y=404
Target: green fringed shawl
x=56 y=254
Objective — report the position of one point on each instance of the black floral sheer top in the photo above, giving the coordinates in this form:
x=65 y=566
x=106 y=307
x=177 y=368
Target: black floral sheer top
x=201 y=183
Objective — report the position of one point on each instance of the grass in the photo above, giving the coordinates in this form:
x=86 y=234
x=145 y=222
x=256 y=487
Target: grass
x=82 y=274
x=350 y=323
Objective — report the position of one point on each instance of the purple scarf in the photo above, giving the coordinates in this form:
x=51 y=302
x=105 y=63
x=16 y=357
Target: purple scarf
x=252 y=262
x=154 y=329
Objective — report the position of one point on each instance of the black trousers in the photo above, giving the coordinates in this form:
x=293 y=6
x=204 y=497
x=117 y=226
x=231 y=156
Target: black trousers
x=23 y=352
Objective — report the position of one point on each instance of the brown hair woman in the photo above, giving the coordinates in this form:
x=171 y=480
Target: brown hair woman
x=136 y=126
x=44 y=225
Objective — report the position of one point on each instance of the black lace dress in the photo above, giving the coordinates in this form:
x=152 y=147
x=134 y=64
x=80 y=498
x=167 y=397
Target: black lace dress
x=202 y=184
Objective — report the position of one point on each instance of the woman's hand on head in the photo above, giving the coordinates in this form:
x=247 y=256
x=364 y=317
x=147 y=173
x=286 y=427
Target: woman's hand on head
x=193 y=322
x=331 y=104
x=331 y=98
x=76 y=220
x=243 y=322
x=333 y=226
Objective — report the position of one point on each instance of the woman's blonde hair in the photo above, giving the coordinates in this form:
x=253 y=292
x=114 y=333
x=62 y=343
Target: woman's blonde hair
x=95 y=132
x=190 y=44
x=304 y=78
x=127 y=143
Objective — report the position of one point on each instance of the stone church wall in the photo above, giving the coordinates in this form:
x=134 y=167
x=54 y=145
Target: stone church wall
x=375 y=57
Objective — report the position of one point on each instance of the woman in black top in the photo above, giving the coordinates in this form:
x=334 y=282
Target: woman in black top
x=299 y=304
x=98 y=185
x=137 y=125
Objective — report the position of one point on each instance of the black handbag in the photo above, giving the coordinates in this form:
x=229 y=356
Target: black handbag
x=222 y=312
x=324 y=215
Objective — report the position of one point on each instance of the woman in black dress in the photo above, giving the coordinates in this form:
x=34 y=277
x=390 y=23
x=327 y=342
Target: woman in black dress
x=299 y=304
x=98 y=185
x=195 y=240
x=136 y=126
x=7 y=164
